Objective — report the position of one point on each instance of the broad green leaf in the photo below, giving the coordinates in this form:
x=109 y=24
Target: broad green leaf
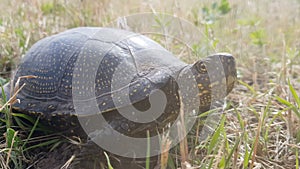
x=11 y=138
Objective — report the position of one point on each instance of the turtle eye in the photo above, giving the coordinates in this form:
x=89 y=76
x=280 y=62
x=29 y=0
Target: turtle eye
x=201 y=68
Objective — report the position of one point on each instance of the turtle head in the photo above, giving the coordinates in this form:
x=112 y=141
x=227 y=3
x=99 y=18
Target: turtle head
x=215 y=76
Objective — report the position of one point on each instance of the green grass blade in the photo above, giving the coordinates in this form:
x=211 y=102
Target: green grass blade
x=246 y=158
x=31 y=132
x=3 y=94
x=253 y=91
x=283 y=101
x=171 y=163
x=55 y=145
x=24 y=116
x=205 y=114
x=296 y=98
x=54 y=141
x=215 y=137
x=240 y=120
x=288 y=104
x=20 y=123
x=5 y=109
x=294 y=93
x=222 y=163
x=214 y=141
x=247 y=154
x=108 y=161
x=231 y=152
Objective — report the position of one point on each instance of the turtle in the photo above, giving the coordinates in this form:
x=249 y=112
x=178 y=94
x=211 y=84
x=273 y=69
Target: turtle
x=89 y=71
x=122 y=63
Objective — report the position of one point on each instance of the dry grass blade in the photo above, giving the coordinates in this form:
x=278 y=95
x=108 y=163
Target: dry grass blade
x=3 y=163
x=256 y=142
x=182 y=146
x=68 y=163
x=17 y=85
x=182 y=136
x=13 y=99
x=75 y=140
x=165 y=147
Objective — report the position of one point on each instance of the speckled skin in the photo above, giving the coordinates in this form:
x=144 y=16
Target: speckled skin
x=53 y=60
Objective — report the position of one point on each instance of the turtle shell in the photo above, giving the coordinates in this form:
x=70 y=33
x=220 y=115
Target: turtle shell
x=101 y=63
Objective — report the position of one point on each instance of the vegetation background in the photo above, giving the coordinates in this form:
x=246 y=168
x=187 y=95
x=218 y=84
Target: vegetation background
x=261 y=126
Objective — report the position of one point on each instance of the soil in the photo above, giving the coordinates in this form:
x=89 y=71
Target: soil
x=86 y=156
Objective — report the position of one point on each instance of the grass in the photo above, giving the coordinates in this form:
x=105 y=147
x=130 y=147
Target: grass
x=261 y=125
